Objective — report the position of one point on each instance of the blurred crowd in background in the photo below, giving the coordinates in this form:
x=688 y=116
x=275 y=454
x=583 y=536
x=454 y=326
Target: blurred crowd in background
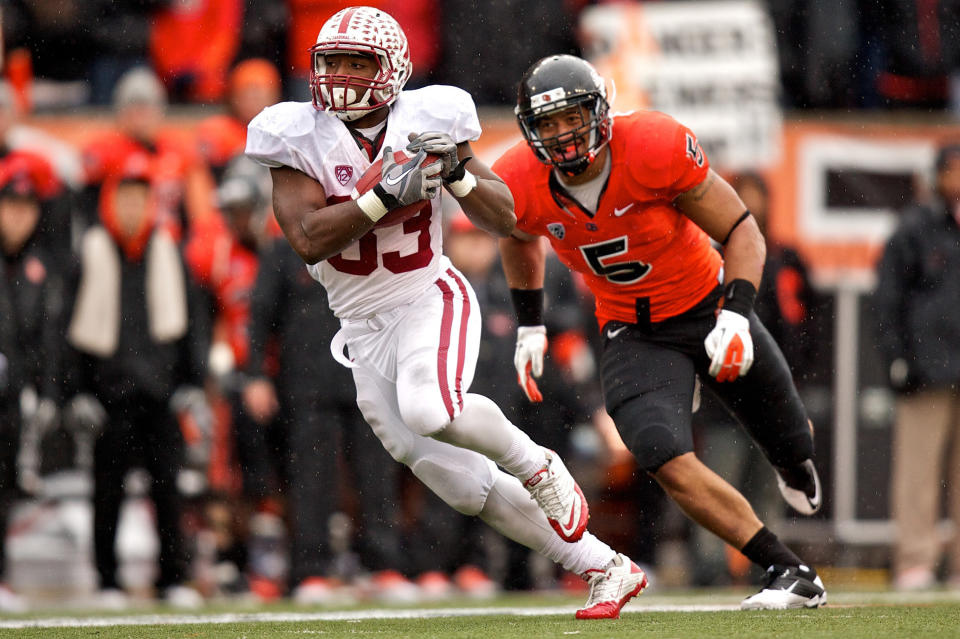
x=836 y=54
x=152 y=315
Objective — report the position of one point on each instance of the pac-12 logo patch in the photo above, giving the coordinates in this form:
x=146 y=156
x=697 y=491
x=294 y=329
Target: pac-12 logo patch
x=556 y=229
x=343 y=172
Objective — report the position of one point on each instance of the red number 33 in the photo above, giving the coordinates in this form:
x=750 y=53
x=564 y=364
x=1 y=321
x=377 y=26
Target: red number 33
x=392 y=260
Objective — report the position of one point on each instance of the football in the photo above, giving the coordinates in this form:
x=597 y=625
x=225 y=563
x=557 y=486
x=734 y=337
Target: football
x=371 y=177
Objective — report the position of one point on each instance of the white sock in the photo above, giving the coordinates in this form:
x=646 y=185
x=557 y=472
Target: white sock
x=482 y=427
x=587 y=554
x=510 y=511
x=524 y=458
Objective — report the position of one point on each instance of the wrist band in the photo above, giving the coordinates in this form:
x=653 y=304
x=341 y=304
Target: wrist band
x=528 y=305
x=738 y=296
x=371 y=205
x=464 y=185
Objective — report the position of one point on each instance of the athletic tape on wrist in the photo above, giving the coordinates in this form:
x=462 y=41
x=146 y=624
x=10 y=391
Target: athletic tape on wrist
x=372 y=206
x=464 y=185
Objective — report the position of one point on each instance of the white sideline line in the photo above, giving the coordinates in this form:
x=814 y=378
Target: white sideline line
x=355 y=615
x=843 y=599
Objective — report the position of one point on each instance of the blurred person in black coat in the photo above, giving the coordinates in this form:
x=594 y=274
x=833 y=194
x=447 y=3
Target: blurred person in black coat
x=918 y=47
x=33 y=284
x=918 y=334
x=325 y=432
x=141 y=342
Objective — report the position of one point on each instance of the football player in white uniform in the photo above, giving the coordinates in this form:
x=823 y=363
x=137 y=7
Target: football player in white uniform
x=410 y=321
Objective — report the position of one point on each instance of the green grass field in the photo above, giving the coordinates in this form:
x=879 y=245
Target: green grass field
x=708 y=614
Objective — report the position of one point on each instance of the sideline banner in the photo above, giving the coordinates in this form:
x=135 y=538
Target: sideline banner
x=711 y=65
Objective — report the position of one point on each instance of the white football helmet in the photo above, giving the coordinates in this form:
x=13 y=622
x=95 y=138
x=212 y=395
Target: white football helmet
x=365 y=31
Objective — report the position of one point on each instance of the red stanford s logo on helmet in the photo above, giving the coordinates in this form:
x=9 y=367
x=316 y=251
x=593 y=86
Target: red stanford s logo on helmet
x=362 y=31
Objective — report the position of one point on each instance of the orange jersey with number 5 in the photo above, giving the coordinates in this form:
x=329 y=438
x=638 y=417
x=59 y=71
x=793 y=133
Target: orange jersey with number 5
x=639 y=254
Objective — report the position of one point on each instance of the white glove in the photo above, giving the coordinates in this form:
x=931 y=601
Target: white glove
x=85 y=414
x=45 y=418
x=35 y=427
x=729 y=347
x=528 y=358
x=193 y=412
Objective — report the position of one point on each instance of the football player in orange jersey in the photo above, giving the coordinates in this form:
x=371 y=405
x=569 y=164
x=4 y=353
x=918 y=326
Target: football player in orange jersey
x=630 y=202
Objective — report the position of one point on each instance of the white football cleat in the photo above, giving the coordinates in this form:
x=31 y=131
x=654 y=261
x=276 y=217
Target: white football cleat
x=183 y=597
x=800 y=487
x=434 y=586
x=113 y=599
x=788 y=587
x=11 y=601
x=560 y=498
x=914 y=579
x=320 y=591
x=612 y=588
x=474 y=583
x=390 y=587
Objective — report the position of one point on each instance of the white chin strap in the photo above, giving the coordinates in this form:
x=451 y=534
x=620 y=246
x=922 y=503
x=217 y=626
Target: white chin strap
x=342 y=97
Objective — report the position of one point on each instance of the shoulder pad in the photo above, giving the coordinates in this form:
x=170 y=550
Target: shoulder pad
x=653 y=141
x=278 y=129
x=440 y=108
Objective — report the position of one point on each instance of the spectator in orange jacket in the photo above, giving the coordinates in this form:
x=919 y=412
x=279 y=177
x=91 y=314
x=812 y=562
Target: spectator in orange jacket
x=183 y=185
x=223 y=253
x=192 y=45
x=254 y=85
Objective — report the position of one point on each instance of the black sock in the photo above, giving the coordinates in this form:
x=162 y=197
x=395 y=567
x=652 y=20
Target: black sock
x=764 y=549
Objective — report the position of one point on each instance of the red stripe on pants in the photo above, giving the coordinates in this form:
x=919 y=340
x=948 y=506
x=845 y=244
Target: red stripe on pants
x=446 y=323
x=462 y=346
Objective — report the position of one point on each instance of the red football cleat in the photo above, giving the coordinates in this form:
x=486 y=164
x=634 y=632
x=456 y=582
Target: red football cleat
x=612 y=588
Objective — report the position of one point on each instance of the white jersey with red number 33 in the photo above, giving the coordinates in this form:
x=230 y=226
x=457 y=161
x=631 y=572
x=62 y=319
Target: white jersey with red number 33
x=388 y=266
